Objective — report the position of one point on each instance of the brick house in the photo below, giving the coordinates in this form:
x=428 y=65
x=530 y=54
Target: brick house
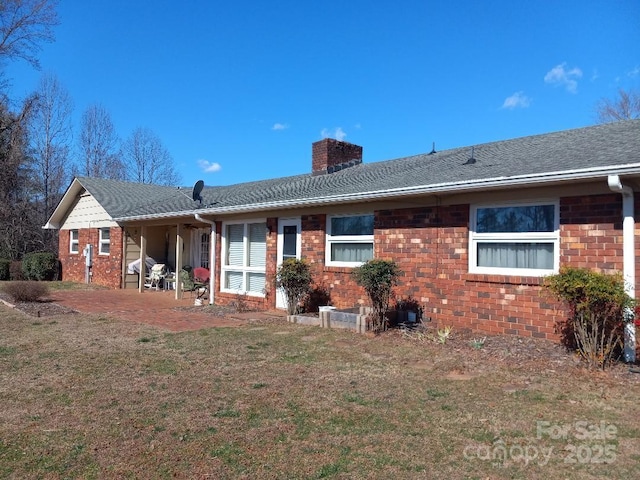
x=474 y=229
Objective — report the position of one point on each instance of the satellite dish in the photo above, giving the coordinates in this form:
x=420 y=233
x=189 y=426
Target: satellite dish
x=197 y=189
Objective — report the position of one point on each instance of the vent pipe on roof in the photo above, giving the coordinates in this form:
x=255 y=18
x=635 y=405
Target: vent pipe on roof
x=433 y=149
x=628 y=261
x=471 y=160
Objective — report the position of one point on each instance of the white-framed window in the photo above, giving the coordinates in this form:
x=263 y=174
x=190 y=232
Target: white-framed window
x=244 y=257
x=515 y=239
x=204 y=250
x=104 y=241
x=349 y=240
x=74 y=241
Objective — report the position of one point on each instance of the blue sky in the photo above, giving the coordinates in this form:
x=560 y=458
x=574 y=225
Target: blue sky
x=238 y=91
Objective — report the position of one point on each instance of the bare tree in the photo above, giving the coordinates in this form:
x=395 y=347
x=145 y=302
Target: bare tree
x=19 y=228
x=148 y=161
x=99 y=152
x=625 y=106
x=24 y=26
x=50 y=135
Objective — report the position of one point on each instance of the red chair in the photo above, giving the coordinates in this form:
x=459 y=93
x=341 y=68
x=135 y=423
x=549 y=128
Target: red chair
x=201 y=281
x=201 y=275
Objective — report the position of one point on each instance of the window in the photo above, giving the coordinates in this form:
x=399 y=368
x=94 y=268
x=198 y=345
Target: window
x=204 y=250
x=105 y=241
x=514 y=239
x=244 y=258
x=349 y=240
x=74 y=241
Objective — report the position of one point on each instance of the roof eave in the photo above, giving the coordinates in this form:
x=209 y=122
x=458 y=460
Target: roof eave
x=54 y=222
x=449 y=187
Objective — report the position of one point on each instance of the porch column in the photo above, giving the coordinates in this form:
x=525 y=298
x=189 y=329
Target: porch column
x=179 y=247
x=143 y=258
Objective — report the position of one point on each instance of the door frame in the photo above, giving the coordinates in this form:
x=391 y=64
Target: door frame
x=281 y=300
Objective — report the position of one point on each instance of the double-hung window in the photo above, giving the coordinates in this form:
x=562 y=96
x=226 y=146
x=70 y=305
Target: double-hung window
x=244 y=247
x=515 y=239
x=74 y=241
x=105 y=241
x=349 y=240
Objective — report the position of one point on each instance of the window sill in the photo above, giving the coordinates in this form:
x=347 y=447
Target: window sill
x=238 y=292
x=502 y=279
x=334 y=269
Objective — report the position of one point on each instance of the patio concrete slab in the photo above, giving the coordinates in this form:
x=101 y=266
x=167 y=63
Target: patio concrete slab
x=157 y=308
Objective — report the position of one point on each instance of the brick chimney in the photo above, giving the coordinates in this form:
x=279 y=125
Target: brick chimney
x=330 y=155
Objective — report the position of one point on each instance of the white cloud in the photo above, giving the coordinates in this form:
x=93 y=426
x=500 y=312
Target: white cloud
x=559 y=76
x=209 y=167
x=517 y=100
x=336 y=133
x=634 y=73
x=279 y=126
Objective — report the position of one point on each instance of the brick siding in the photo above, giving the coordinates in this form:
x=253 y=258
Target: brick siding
x=106 y=269
x=431 y=247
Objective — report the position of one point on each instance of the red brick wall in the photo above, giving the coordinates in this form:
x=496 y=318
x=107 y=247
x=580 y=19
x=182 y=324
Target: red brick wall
x=106 y=269
x=431 y=247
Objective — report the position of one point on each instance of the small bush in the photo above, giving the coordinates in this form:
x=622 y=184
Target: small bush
x=598 y=307
x=378 y=277
x=15 y=270
x=25 y=291
x=5 y=269
x=40 y=266
x=294 y=277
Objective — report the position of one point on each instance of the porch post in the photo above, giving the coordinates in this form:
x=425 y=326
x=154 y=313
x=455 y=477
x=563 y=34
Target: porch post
x=143 y=258
x=179 y=246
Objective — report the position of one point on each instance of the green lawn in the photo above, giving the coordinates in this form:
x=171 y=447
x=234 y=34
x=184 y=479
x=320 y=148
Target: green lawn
x=91 y=397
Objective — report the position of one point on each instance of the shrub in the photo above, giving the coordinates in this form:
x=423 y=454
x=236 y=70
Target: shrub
x=15 y=270
x=598 y=306
x=40 y=266
x=5 y=269
x=25 y=291
x=294 y=277
x=378 y=277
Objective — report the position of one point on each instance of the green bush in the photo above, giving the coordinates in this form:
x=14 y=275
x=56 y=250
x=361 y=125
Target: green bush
x=378 y=277
x=294 y=277
x=598 y=305
x=40 y=266
x=25 y=291
x=5 y=269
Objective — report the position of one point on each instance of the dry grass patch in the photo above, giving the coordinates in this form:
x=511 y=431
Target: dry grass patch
x=91 y=397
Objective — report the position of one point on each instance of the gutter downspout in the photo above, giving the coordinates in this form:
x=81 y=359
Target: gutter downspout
x=212 y=254
x=628 y=260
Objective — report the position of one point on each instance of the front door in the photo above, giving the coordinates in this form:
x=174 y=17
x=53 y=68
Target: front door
x=288 y=247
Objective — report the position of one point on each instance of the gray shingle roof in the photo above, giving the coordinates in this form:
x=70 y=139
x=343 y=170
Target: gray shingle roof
x=562 y=153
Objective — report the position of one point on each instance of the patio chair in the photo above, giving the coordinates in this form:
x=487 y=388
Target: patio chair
x=186 y=280
x=155 y=277
x=201 y=280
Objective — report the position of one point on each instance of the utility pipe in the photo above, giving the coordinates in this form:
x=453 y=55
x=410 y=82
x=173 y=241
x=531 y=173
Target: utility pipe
x=212 y=256
x=628 y=261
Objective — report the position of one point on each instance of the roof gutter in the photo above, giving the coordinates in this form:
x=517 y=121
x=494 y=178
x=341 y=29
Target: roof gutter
x=628 y=261
x=448 y=187
x=212 y=259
